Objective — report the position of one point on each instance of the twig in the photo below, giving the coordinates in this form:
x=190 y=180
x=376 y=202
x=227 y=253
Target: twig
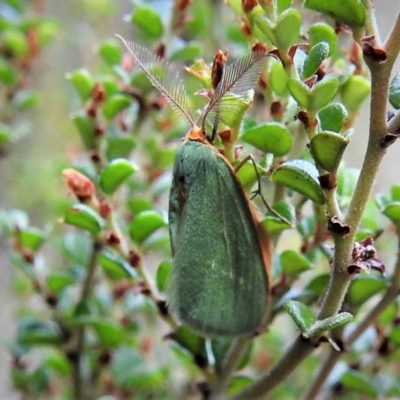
x=76 y=359
x=332 y=358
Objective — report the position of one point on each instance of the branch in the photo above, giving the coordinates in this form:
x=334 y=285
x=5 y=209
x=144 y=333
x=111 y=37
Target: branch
x=332 y=358
x=77 y=375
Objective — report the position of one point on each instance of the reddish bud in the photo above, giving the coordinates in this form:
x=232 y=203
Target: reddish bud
x=104 y=209
x=78 y=184
x=218 y=67
x=134 y=259
x=248 y=5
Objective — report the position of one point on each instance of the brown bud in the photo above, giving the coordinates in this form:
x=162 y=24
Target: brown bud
x=134 y=259
x=78 y=184
x=248 y=5
x=218 y=67
x=328 y=181
x=105 y=209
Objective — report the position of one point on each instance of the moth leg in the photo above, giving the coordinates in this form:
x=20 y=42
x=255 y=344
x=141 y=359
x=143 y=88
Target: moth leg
x=258 y=190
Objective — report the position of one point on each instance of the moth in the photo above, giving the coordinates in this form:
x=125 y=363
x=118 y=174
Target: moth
x=218 y=285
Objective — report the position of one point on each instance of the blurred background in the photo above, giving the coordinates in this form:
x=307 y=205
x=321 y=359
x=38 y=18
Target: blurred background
x=52 y=136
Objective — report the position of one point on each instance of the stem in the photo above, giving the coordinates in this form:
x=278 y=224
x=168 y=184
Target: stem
x=299 y=350
x=324 y=371
x=228 y=367
x=77 y=376
x=340 y=279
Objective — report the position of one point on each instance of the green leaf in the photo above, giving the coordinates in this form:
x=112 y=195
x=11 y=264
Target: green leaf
x=190 y=340
x=119 y=147
x=355 y=382
x=327 y=149
x=83 y=83
x=322 y=93
x=15 y=42
x=33 y=332
x=109 y=334
x=8 y=75
x=321 y=32
x=277 y=77
x=392 y=211
x=144 y=224
x=317 y=54
x=84 y=217
x=31 y=238
x=395 y=336
x=114 y=174
x=127 y=362
x=287 y=29
x=46 y=31
x=301 y=314
x=247 y=174
x=237 y=383
x=332 y=117
x=394 y=92
x=301 y=176
x=363 y=288
x=299 y=91
x=282 y=5
x=163 y=272
x=115 y=266
x=111 y=52
x=270 y=137
x=138 y=204
x=148 y=22
x=318 y=284
x=354 y=91
x=293 y=263
x=188 y=52
x=349 y=12
x=265 y=27
x=220 y=347
x=347 y=180
x=85 y=126
x=25 y=99
x=395 y=192
x=58 y=281
x=274 y=224
x=115 y=104
x=327 y=324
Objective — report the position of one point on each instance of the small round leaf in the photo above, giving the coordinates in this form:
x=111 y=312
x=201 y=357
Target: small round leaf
x=144 y=224
x=83 y=82
x=354 y=91
x=115 y=104
x=332 y=117
x=327 y=149
x=322 y=93
x=271 y=137
x=148 y=22
x=301 y=176
x=394 y=92
x=321 y=32
x=299 y=91
x=114 y=174
x=293 y=263
x=84 y=217
x=300 y=313
x=287 y=29
x=349 y=12
x=317 y=54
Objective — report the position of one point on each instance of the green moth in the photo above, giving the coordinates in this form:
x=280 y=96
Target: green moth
x=218 y=284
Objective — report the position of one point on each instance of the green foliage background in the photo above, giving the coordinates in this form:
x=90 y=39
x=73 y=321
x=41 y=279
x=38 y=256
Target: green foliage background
x=87 y=325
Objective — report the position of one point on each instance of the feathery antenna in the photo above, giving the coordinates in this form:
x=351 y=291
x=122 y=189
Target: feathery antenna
x=238 y=78
x=163 y=77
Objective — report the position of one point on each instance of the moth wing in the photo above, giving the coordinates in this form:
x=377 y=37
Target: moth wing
x=218 y=283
